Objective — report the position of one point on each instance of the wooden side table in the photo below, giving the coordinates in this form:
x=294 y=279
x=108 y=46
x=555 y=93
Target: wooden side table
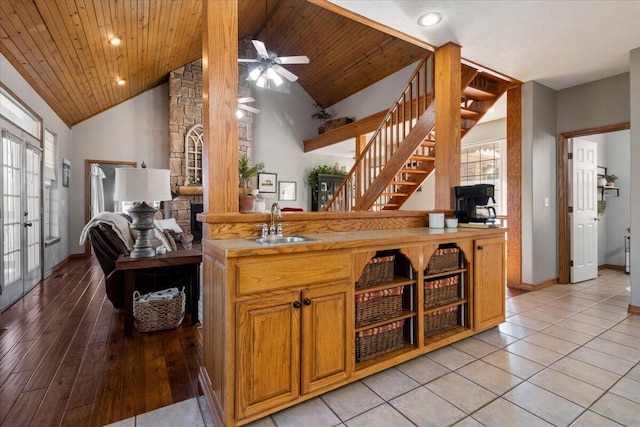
x=190 y=259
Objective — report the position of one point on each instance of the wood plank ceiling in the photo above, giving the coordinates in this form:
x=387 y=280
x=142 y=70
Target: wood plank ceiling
x=61 y=47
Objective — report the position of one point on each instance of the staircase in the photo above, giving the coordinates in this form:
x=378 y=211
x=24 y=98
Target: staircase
x=401 y=153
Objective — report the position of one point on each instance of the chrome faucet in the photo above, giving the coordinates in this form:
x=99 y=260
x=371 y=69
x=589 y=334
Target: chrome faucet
x=272 y=228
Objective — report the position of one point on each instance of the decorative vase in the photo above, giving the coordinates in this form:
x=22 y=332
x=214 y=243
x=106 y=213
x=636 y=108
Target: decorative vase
x=246 y=203
x=602 y=181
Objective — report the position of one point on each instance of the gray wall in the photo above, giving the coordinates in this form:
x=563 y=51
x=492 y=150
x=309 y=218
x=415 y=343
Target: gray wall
x=618 y=213
x=539 y=229
x=634 y=185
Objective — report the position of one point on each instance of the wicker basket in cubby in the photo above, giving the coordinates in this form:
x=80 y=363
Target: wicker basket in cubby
x=444 y=259
x=378 y=305
x=158 y=315
x=378 y=270
x=440 y=321
x=378 y=341
x=441 y=291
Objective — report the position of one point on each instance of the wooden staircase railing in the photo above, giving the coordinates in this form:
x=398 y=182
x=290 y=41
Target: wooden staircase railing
x=382 y=171
x=401 y=153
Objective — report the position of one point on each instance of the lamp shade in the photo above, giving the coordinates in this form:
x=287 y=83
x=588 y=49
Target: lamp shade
x=142 y=185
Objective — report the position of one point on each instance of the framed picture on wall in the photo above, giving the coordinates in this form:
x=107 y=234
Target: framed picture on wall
x=267 y=182
x=286 y=190
x=66 y=172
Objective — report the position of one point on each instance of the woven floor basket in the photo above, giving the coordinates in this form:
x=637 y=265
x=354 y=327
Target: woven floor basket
x=378 y=341
x=378 y=270
x=440 y=321
x=158 y=315
x=441 y=291
x=378 y=305
x=443 y=260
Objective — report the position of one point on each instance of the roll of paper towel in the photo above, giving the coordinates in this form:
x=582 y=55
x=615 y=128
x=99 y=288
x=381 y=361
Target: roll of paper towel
x=436 y=220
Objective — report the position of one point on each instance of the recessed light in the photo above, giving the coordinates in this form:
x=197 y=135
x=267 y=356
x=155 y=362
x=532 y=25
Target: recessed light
x=429 y=19
x=115 y=41
x=121 y=82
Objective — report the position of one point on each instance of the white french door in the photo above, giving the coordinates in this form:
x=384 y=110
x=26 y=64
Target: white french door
x=21 y=218
x=584 y=230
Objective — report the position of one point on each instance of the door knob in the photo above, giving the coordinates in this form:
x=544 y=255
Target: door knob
x=28 y=224
x=296 y=304
x=306 y=301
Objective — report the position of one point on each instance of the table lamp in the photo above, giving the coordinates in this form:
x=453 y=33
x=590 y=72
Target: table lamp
x=141 y=186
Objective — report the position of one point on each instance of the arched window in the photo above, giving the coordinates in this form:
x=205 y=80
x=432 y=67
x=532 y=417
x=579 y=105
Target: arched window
x=193 y=155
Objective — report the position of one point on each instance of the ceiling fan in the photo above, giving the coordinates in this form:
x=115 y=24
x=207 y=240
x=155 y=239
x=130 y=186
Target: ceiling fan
x=242 y=106
x=269 y=66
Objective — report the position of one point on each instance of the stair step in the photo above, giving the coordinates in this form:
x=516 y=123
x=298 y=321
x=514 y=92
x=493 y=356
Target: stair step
x=403 y=183
x=395 y=194
x=422 y=158
x=477 y=94
x=420 y=171
x=428 y=143
x=467 y=113
x=387 y=205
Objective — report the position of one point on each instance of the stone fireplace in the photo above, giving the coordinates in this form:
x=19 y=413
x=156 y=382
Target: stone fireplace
x=185 y=111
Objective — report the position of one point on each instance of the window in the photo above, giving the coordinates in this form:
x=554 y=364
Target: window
x=193 y=155
x=20 y=116
x=484 y=164
x=51 y=191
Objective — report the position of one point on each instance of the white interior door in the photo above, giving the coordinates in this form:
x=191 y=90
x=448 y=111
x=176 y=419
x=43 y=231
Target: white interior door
x=584 y=193
x=21 y=218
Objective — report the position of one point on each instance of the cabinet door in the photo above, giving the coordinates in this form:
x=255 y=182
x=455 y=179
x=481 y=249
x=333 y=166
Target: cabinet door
x=268 y=353
x=325 y=329
x=489 y=282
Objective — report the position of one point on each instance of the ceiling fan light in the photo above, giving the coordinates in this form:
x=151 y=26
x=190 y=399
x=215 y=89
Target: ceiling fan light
x=239 y=113
x=274 y=76
x=261 y=81
x=255 y=73
x=429 y=19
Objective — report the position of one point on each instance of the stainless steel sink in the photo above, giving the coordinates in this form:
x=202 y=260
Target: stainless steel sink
x=282 y=240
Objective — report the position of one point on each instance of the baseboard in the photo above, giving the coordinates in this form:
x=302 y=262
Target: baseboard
x=530 y=287
x=78 y=256
x=611 y=267
x=633 y=309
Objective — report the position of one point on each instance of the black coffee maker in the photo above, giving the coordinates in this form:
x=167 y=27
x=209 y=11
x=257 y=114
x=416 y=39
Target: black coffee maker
x=471 y=203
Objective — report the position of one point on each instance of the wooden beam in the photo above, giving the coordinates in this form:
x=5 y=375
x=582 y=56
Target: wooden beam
x=448 y=92
x=351 y=130
x=514 y=186
x=220 y=97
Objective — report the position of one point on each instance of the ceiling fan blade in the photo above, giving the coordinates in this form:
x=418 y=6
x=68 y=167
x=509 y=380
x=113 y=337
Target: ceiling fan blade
x=260 y=48
x=245 y=100
x=285 y=73
x=292 y=60
x=247 y=60
x=246 y=107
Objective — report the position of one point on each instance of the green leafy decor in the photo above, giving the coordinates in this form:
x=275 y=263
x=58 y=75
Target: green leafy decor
x=312 y=180
x=246 y=171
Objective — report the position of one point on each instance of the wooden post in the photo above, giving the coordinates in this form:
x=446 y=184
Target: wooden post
x=514 y=186
x=220 y=98
x=448 y=92
x=361 y=144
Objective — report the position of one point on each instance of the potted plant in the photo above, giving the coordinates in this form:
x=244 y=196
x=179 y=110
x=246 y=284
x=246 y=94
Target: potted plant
x=312 y=179
x=611 y=180
x=602 y=206
x=246 y=171
x=321 y=114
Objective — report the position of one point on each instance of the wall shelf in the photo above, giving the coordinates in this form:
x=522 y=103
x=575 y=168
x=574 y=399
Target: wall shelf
x=606 y=190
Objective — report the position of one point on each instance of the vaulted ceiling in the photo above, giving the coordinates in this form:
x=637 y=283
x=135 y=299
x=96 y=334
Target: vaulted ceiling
x=61 y=47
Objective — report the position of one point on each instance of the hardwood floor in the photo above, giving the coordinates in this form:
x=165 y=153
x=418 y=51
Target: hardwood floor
x=64 y=359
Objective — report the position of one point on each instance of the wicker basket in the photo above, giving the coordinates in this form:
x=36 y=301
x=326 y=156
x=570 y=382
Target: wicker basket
x=440 y=321
x=158 y=315
x=444 y=260
x=378 y=270
x=378 y=341
x=441 y=291
x=378 y=305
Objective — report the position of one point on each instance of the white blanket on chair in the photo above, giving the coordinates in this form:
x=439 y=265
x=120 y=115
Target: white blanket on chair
x=119 y=224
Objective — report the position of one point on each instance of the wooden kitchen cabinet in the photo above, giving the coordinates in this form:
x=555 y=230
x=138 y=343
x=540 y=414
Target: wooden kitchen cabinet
x=291 y=344
x=489 y=282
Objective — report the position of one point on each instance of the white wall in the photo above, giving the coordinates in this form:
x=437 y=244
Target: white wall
x=10 y=77
x=135 y=131
x=283 y=123
x=539 y=222
x=618 y=213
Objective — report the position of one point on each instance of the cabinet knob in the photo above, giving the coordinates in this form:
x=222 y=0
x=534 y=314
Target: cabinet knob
x=479 y=247
x=306 y=301
x=296 y=304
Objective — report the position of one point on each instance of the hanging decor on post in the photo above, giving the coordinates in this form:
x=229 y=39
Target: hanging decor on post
x=66 y=172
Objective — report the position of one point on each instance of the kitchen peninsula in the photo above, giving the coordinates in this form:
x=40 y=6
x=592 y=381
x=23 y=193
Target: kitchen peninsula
x=285 y=323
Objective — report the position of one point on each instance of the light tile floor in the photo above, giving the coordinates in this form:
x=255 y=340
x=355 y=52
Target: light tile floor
x=567 y=355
